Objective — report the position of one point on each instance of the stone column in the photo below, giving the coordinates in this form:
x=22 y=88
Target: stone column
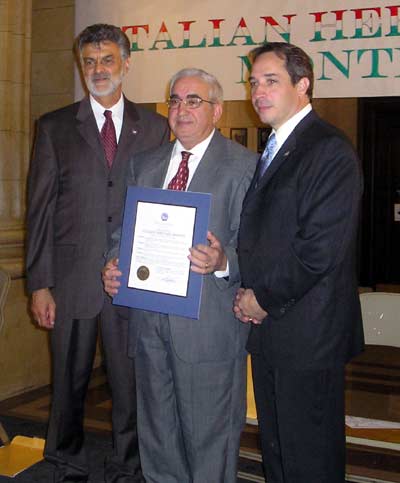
x=24 y=354
x=15 y=67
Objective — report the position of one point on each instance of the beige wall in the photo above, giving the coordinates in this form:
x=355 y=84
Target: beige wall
x=27 y=93
x=18 y=362
x=340 y=112
x=15 y=48
x=240 y=114
x=52 y=57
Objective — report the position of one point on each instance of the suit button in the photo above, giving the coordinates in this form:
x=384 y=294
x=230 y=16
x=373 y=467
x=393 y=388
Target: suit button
x=110 y=183
x=109 y=218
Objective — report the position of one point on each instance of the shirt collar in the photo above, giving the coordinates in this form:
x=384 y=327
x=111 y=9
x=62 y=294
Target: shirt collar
x=117 y=109
x=286 y=129
x=197 y=150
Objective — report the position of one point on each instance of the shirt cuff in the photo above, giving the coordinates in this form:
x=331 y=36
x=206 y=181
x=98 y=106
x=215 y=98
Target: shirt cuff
x=223 y=274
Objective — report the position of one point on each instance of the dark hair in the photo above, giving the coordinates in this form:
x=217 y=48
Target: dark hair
x=102 y=32
x=297 y=62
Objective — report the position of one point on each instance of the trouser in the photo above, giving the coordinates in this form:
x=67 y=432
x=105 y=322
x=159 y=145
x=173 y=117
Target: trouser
x=73 y=349
x=190 y=416
x=301 y=420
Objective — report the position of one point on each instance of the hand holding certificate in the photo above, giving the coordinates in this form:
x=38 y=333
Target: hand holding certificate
x=159 y=227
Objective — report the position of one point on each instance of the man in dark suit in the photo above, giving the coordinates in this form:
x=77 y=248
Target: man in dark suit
x=297 y=257
x=75 y=197
x=191 y=374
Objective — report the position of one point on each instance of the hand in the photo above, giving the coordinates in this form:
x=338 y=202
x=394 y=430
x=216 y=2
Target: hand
x=246 y=308
x=43 y=308
x=208 y=258
x=109 y=275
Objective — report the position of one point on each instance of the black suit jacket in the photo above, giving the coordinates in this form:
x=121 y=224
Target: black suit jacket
x=75 y=201
x=297 y=250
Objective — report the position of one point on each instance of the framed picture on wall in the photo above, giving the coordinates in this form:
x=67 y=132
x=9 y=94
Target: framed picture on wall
x=262 y=136
x=239 y=135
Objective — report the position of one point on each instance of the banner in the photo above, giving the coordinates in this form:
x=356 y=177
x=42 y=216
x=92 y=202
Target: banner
x=354 y=45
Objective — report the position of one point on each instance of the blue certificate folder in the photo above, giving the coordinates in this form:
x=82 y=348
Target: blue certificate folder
x=188 y=305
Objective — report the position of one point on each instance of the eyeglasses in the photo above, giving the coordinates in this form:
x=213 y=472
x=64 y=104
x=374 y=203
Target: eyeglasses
x=191 y=102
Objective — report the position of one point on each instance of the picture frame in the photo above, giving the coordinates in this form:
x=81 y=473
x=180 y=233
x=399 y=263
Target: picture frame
x=239 y=135
x=262 y=136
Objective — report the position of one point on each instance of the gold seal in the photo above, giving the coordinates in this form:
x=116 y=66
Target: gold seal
x=143 y=273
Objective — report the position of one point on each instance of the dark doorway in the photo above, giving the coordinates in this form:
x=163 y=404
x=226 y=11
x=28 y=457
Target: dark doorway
x=379 y=148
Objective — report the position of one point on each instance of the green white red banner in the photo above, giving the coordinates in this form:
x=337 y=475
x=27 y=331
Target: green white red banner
x=354 y=44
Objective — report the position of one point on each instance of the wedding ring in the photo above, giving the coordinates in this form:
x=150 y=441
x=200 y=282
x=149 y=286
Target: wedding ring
x=206 y=266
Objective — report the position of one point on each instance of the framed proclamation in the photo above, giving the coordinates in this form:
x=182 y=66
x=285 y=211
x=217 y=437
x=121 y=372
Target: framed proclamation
x=159 y=227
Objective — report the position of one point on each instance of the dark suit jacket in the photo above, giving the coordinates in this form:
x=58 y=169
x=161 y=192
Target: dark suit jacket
x=75 y=201
x=225 y=171
x=297 y=250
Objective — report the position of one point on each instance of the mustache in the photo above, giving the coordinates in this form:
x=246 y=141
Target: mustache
x=100 y=76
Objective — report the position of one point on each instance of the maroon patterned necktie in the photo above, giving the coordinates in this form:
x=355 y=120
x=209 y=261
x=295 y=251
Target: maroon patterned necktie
x=109 y=138
x=179 y=181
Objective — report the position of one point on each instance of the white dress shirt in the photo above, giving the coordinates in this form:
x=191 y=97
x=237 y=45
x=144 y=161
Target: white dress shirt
x=193 y=162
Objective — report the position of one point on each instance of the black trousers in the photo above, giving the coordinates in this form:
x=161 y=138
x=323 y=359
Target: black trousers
x=301 y=420
x=73 y=345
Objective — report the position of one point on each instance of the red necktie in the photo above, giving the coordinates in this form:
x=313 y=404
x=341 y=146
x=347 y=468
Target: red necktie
x=179 y=181
x=109 y=138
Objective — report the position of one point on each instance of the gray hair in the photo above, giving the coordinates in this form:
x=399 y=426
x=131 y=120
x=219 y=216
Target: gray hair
x=215 y=93
x=102 y=32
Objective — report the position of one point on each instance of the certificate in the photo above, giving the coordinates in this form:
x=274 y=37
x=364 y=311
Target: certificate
x=159 y=227
x=163 y=235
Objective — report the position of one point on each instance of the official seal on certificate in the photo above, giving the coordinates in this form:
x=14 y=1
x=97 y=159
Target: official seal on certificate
x=143 y=273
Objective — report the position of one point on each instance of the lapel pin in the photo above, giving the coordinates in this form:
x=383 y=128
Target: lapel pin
x=134 y=131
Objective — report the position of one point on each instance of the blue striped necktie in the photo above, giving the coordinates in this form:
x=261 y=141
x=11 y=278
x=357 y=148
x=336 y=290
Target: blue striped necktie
x=268 y=155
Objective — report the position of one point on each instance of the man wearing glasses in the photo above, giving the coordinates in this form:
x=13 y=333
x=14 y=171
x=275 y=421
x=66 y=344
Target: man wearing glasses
x=191 y=374
x=75 y=199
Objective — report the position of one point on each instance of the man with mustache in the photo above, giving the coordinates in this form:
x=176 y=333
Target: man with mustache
x=191 y=374
x=76 y=189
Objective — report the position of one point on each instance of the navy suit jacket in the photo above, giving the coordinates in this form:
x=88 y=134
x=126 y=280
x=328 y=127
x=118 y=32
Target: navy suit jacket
x=297 y=250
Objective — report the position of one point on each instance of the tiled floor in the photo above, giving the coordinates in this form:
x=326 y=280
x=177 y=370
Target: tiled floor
x=373 y=391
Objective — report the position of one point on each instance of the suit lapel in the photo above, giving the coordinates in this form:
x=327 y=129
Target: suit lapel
x=131 y=129
x=287 y=149
x=88 y=129
x=156 y=169
x=208 y=168
x=154 y=175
